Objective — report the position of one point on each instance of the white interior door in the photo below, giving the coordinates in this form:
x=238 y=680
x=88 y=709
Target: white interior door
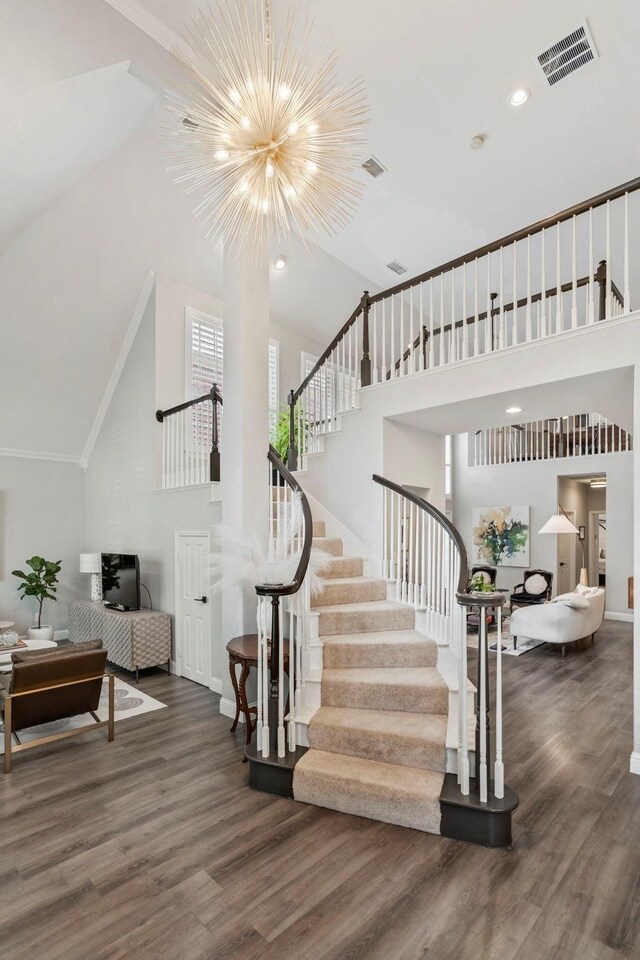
x=193 y=609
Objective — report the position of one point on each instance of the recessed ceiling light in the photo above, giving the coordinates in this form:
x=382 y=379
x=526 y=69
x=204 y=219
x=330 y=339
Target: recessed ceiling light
x=519 y=96
x=280 y=262
x=477 y=141
x=513 y=410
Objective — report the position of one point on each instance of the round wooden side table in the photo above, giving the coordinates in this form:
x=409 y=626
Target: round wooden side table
x=243 y=652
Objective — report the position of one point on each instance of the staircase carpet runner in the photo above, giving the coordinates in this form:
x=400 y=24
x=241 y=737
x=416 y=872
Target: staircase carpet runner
x=377 y=743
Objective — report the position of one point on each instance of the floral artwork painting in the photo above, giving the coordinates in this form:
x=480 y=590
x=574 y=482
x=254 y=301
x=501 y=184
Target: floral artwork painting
x=501 y=536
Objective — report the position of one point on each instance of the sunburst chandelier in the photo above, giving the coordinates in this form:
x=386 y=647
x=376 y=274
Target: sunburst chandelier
x=267 y=132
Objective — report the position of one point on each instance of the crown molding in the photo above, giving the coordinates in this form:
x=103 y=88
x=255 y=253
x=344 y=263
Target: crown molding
x=39 y=455
x=116 y=373
x=140 y=17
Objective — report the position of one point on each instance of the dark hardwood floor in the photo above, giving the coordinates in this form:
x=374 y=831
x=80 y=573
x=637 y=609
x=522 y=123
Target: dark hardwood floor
x=153 y=847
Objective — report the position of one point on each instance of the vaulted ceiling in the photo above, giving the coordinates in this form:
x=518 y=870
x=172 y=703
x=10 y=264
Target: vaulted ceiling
x=86 y=206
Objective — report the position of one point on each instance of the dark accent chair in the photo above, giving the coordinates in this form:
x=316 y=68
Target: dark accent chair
x=49 y=685
x=490 y=573
x=535 y=588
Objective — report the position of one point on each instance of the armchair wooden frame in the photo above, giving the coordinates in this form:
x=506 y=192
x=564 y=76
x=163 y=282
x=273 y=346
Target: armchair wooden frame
x=10 y=749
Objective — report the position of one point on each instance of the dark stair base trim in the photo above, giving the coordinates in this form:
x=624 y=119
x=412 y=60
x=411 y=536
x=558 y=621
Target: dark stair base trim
x=465 y=818
x=273 y=774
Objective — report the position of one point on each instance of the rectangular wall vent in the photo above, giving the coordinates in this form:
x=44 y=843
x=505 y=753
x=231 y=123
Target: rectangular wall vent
x=568 y=54
x=374 y=167
x=396 y=266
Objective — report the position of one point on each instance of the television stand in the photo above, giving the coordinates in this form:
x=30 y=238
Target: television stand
x=134 y=639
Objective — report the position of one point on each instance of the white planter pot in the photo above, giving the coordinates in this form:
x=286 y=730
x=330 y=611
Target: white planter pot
x=40 y=633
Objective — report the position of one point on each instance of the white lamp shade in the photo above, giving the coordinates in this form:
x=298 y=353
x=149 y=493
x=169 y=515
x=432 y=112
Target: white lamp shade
x=90 y=563
x=558 y=523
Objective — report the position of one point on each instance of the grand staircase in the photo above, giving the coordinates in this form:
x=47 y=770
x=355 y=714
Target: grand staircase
x=377 y=743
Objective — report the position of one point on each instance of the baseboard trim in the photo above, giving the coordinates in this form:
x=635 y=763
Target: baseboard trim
x=216 y=686
x=624 y=617
x=634 y=763
x=228 y=708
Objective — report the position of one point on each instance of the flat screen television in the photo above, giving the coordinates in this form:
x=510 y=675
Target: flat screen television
x=121 y=581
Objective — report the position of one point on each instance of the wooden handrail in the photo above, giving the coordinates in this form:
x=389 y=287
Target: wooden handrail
x=454 y=533
x=598 y=201
x=293 y=396
x=214 y=396
x=286 y=589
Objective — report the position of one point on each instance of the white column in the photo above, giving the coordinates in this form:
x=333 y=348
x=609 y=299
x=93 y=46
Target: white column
x=245 y=437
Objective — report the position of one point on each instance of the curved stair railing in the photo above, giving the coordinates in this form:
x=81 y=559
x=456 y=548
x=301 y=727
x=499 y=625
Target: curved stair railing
x=553 y=276
x=425 y=556
x=289 y=551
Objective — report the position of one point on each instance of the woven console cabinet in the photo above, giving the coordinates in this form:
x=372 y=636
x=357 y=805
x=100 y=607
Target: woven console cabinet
x=134 y=640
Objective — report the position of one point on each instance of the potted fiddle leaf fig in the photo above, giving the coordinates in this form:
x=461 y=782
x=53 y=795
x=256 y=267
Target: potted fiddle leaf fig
x=39 y=583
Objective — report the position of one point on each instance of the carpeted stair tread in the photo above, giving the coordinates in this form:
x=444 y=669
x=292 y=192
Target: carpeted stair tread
x=388 y=736
x=413 y=689
x=338 y=567
x=372 y=616
x=350 y=590
x=387 y=648
x=380 y=791
x=331 y=545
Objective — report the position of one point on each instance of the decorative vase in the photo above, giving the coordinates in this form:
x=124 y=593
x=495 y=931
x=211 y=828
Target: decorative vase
x=584 y=577
x=40 y=633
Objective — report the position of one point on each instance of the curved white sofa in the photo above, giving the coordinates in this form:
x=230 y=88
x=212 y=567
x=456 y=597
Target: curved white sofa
x=556 y=622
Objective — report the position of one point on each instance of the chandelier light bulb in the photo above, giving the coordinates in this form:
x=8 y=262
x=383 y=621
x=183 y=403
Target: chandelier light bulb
x=253 y=91
x=280 y=262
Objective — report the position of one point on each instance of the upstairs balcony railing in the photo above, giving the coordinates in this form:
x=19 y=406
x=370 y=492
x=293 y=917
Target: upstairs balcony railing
x=579 y=435
x=191 y=441
x=568 y=271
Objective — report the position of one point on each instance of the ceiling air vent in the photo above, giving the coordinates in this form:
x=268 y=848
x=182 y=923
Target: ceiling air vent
x=396 y=267
x=374 y=167
x=568 y=54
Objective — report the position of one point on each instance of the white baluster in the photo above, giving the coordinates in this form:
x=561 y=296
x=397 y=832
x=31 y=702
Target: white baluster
x=488 y=323
x=399 y=572
x=385 y=535
x=501 y=330
x=608 y=304
x=463 y=720
x=559 y=313
x=591 y=316
x=626 y=291
x=442 y=334
x=476 y=322
x=514 y=324
x=422 y=360
x=543 y=319
x=574 y=277
x=432 y=359
x=384 y=341
x=411 y=362
x=528 y=309
x=374 y=320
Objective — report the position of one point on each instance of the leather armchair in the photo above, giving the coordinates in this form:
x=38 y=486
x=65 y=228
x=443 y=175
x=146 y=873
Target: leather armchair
x=535 y=588
x=50 y=685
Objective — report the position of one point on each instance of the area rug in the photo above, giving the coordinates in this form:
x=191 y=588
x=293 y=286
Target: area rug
x=129 y=702
x=524 y=645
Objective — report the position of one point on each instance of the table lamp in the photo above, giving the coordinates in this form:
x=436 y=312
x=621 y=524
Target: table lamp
x=92 y=563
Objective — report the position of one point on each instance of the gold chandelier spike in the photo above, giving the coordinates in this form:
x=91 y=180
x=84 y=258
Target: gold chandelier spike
x=265 y=133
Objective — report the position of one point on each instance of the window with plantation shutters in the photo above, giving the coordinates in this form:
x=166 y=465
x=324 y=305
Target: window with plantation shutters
x=204 y=359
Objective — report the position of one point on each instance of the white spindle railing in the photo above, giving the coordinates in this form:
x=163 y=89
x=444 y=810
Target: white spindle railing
x=579 y=435
x=424 y=556
x=494 y=299
x=190 y=450
x=283 y=613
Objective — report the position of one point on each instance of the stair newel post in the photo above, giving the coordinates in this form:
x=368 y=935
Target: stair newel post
x=365 y=363
x=601 y=280
x=483 y=734
x=292 y=453
x=214 y=456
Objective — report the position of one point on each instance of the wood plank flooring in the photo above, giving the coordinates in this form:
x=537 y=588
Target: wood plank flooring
x=153 y=847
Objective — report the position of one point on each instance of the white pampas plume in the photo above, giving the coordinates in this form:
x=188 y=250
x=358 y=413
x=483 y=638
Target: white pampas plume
x=237 y=561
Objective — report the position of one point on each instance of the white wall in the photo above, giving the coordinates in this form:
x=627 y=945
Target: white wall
x=123 y=511
x=41 y=512
x=536 y=485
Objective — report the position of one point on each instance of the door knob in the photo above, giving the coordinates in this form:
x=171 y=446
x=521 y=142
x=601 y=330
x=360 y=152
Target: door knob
x=200 y=599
